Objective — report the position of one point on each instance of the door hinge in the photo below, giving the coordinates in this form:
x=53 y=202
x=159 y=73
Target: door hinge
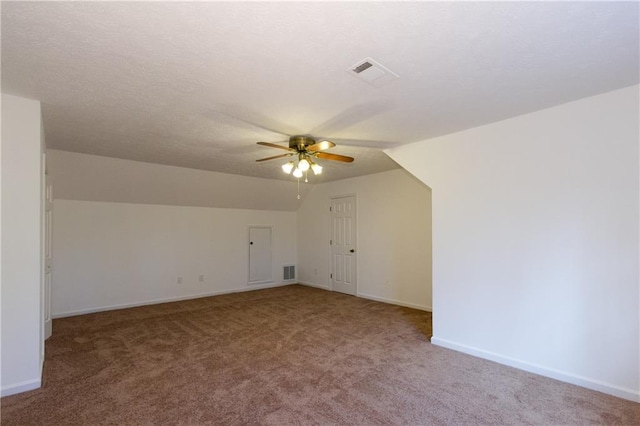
x=330 y=242
x=330 y=208
x=331 y=275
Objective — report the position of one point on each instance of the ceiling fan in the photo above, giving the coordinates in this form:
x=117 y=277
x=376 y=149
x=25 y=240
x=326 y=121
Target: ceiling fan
x=305 y=149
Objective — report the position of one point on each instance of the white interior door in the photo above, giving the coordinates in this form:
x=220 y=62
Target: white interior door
x=343 y=244
x=48 y=255
x=260 y=265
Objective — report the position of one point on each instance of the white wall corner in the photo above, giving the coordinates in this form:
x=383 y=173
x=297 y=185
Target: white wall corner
x=21 y=266
x=310 y=284
x=395 y=302
x=20 y=387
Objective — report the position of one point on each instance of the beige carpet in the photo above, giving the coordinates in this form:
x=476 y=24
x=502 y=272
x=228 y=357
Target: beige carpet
x=285 y=356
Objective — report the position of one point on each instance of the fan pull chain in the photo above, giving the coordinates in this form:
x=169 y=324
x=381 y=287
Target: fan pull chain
x=298 y=188
x=306 y=176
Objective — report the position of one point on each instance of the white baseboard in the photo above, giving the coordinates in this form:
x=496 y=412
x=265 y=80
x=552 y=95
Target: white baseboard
x=166 y=300
x=376 y=298
x=20 y=387
x=395 y=302
x=630 y=394
x=308 y=284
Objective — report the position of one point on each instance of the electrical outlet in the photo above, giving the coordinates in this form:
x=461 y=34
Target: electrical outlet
x=179 y=280
x=201 y=278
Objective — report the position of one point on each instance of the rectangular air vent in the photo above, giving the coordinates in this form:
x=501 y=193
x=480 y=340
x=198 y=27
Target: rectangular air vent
x=372 y=72
x=362 y=67
x=289 y=272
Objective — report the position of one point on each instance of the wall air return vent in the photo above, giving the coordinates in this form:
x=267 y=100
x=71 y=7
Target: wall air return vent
x=289 y=272
x=372 y=72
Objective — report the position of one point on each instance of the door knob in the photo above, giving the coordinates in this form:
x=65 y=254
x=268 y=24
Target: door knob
x=352 y=251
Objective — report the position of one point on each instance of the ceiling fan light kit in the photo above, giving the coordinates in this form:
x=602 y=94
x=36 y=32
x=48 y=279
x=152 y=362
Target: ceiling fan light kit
x=306 y=149
x=304 y=164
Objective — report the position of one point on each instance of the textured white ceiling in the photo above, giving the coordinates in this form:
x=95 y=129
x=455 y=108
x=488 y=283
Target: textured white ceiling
x=197 y=84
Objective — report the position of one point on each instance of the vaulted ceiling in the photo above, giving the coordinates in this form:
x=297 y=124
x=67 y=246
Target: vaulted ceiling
x=197 y=84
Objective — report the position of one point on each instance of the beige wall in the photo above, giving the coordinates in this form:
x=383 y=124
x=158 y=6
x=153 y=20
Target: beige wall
x=110 y=251
x=21 y=245
x=124 y=231
x=95 y=178
x=393 y=237
x=110 y=255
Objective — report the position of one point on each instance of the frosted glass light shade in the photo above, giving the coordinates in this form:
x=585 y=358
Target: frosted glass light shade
x=303 y=165
x=297 y=172
x=287 y=167
x=317 y=168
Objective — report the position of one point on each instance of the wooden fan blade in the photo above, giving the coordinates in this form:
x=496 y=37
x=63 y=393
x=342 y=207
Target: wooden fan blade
x=321 y=146
x=273 y=145
x=336 y=157
x=274 y=157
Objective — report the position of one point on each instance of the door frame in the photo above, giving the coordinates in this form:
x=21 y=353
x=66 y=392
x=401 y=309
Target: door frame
x=46 y=232
x=330 y=230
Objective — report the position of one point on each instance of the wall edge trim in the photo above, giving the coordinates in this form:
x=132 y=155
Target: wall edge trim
x=20 y=387
x=563 y=376
x=308 y=284
x=395 y=302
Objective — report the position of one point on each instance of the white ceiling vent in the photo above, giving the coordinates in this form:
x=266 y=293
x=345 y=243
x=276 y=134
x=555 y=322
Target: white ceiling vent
x=372 y=72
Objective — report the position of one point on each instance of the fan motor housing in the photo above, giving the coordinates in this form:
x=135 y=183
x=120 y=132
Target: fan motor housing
x=299 y=142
